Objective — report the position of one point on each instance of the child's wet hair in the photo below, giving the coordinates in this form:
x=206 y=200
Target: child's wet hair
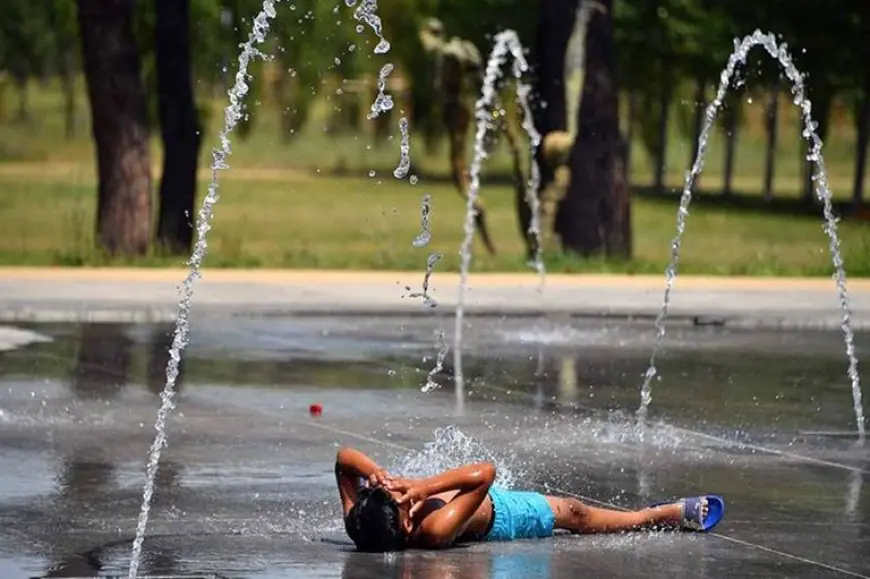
x=373 y=523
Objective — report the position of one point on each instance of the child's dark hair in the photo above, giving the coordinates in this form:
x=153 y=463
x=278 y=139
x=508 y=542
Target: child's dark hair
x=373 y=523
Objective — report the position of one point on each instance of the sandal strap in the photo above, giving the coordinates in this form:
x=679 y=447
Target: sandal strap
x=693 y=513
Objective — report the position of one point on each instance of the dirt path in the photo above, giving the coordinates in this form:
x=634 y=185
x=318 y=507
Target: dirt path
x=350 y=277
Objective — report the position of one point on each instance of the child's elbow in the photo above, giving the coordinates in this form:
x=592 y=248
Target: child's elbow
x=343 y=453
x=340 y=456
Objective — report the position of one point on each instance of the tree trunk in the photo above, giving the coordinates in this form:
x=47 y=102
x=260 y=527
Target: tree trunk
x=180 y=127
x=700 y=102
x=771 y=122
x=665 y=92
x=594 y=216
x=4 y=91
x=118 y=118
x=524 y=212
x=23 y=115
x=294 y=100
x=59 y=15
x=629 y=136
x=555 y=26
x=862 y=122
x=730 y=118
x=821 y=115
x=67 y=83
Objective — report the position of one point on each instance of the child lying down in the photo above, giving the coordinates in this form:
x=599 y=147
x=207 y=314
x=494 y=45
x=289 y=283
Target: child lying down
x=387 y=513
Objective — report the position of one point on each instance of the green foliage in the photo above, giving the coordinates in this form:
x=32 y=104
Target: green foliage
x=662 y=41
x=677 y=42
x=316 y=44
x=24 y=43
x=479 y=21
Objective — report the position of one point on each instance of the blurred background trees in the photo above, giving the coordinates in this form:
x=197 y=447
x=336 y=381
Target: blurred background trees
x=162 y=68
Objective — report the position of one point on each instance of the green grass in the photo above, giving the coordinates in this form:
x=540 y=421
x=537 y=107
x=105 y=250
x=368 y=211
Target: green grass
x=368 y=223
x=283 y=205
x=42 y=139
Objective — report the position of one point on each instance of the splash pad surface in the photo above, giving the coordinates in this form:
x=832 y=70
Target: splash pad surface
x=246 y=489
x=133 y=295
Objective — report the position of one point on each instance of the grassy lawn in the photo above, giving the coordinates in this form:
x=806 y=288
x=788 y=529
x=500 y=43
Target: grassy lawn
x=283 y=205
x=42 y=139
x=329 y=222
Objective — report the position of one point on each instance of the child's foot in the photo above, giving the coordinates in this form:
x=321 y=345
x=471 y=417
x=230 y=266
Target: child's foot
x=703 y=507
x=701 y=513
x=695 y=513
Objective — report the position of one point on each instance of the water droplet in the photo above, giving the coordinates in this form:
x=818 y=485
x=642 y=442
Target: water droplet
x=422 y=240
x=383 y=102
x=405 y=149
x=359 y=28
x=383 y=47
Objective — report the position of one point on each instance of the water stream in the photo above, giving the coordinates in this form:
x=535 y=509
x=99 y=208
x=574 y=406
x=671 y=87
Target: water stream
x=506 y=43
x=383 y=102
x=520 y=66
x=401 y=170
x=232 y=116
x=823 y=193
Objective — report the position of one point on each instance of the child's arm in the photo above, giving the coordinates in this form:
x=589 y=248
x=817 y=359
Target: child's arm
x=442 y=526
x=350 y=466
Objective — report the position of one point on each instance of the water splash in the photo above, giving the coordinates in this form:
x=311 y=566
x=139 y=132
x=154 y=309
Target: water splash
x=506 y=44
x=401 y=171
x=452 y=448
x=428 y=301
x=425 y=235
x=367 y=13
x=441 y=344
x=383 y=102
x=232 y=116
x=823 y=193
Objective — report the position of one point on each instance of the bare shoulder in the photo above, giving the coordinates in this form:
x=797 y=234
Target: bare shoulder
x=431 y=505
x=421 y=537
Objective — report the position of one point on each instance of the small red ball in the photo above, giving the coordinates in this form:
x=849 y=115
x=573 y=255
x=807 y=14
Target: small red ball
x=315 y=410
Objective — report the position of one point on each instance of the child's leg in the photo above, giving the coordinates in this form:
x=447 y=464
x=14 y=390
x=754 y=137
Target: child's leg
x=578 y=517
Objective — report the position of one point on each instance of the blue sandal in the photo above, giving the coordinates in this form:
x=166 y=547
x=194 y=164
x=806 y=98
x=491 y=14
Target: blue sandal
x=692 y=507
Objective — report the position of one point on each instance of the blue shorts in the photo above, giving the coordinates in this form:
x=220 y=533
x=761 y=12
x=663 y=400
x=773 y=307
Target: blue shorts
x=519 y=515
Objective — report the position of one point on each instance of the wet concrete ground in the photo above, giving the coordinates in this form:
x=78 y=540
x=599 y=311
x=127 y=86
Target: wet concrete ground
x=246 y=486
x=150 y=295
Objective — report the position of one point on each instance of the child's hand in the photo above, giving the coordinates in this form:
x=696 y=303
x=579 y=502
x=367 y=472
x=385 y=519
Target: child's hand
x=414 y=496
x=398 y=484
x=379 y=478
